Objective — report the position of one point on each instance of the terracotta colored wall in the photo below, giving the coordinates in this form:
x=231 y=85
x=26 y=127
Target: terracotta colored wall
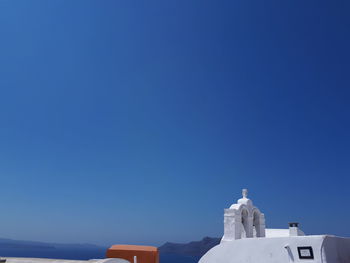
x=144 y=254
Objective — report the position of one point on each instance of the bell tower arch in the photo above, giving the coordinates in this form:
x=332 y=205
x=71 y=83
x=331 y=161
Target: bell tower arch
x=243 y=220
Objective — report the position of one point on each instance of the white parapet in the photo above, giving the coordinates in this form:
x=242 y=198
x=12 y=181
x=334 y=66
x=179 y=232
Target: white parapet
x=48 y=260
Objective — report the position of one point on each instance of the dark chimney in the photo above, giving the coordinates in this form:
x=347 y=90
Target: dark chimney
x=294 y=224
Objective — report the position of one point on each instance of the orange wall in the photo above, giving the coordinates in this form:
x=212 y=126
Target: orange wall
x=144 y=254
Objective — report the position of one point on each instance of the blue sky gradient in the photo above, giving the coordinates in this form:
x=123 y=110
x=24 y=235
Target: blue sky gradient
x=140 y=121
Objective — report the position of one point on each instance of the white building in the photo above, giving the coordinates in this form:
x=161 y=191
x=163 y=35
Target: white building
x=246 y=240
x=243 y=220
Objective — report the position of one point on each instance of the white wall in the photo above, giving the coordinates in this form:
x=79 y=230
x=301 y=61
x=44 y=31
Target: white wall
x=326 y=249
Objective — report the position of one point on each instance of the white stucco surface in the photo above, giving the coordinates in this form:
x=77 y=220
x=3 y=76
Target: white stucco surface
x=274 y=232
x=326 y=249
x=336 y=249
x=47 y=260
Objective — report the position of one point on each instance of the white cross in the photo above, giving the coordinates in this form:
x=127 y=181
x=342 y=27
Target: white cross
x=244 y=193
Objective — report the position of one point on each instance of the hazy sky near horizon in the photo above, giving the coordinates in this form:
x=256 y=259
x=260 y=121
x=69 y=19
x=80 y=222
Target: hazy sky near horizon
x=140 y=121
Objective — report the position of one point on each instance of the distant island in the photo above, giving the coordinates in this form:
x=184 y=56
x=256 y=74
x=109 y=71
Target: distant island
x=22 y=244
x=194 y=248
x=20 y=248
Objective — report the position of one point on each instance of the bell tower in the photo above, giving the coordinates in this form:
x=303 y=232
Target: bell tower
x=243 y=220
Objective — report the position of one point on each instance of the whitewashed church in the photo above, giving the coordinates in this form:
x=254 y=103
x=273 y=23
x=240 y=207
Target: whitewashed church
x=246 y=240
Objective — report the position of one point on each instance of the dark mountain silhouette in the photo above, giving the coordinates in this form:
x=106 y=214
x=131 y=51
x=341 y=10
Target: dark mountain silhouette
x=194 y=248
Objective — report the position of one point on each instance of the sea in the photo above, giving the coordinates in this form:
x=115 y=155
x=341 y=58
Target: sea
x=83 y=254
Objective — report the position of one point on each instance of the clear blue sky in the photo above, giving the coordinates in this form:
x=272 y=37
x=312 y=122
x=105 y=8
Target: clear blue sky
x=140 y=121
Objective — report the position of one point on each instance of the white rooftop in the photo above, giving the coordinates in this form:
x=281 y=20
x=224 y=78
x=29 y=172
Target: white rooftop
x=246 y=240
